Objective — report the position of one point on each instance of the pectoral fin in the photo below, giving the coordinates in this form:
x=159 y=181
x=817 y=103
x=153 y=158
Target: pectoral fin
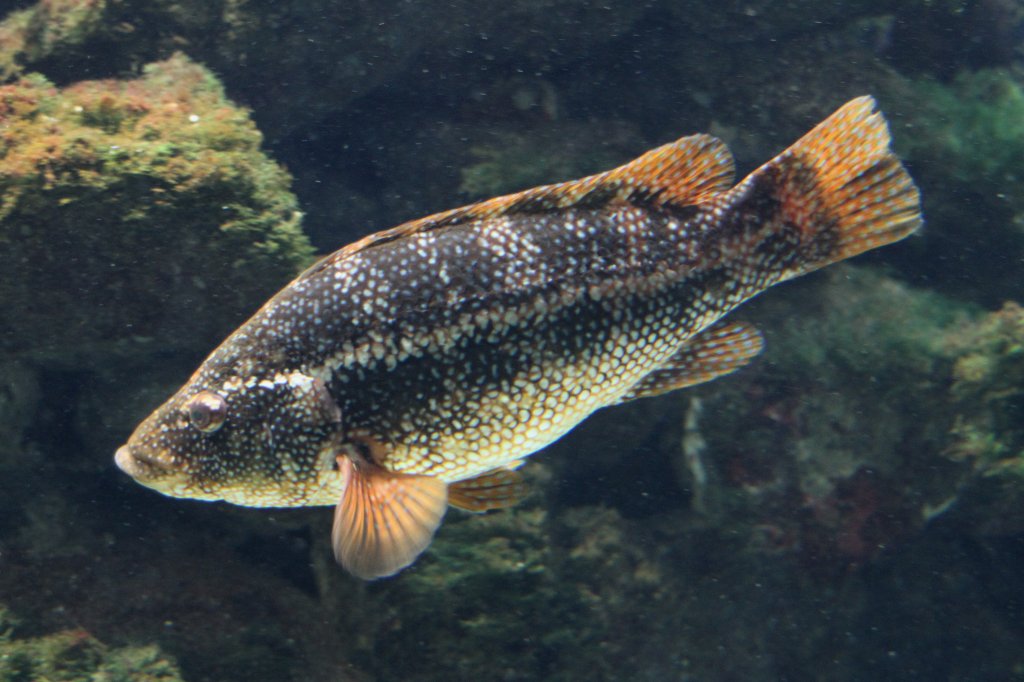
x=721 y=348
x=385 y=519
x=493 y=490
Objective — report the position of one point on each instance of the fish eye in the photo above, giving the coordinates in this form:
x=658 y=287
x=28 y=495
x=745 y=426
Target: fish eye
x=206 y=411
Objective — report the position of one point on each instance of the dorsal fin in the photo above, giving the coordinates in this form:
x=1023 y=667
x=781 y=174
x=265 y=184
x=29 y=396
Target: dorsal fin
x=680 y=173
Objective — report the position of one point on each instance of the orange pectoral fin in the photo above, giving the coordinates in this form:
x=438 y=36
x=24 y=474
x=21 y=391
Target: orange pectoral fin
x=385 y=519
x=493 y=490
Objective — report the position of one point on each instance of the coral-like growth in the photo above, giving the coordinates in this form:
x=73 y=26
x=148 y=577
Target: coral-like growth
x=988 y=391
x=136 y=210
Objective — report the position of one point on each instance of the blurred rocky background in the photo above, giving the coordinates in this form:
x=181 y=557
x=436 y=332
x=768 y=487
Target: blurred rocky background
x=848 y=507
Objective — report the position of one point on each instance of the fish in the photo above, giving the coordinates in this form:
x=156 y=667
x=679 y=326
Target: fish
x=418 y=367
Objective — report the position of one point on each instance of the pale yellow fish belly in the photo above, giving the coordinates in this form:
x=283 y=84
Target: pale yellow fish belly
x=541 y=406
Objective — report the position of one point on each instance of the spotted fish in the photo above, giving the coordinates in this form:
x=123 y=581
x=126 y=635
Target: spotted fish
x=416 y=368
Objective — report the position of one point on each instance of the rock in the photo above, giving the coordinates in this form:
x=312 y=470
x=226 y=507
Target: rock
x=138 y=216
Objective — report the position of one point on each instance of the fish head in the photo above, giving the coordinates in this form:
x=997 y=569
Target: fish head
x=257 y=441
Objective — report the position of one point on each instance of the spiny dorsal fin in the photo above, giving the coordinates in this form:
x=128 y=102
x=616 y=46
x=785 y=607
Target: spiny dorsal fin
x=493 y=490
x=384 y=519
x=680 y=173
x=721 y=348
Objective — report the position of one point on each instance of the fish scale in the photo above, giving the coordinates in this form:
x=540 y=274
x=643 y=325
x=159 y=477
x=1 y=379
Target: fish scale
x=418 y=367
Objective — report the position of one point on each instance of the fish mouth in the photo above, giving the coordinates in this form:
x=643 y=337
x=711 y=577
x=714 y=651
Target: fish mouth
x=145 y=468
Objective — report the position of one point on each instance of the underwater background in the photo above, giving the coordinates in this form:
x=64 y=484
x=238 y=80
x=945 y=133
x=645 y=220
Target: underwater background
x=848 y=507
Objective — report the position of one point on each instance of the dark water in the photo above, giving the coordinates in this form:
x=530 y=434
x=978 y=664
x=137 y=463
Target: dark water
x=847 y=507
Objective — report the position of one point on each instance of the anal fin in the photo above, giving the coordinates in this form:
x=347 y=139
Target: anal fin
x=493 y=490
x=718 y=350
x=384 y=519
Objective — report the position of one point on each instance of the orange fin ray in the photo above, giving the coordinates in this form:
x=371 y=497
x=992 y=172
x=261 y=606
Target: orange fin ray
x=718 y=350
x=493 y=490
x=682 y=173
x=842 y=187
x=385 y=519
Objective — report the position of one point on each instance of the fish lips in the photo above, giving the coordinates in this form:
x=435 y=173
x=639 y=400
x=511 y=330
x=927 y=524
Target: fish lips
x=149 y=469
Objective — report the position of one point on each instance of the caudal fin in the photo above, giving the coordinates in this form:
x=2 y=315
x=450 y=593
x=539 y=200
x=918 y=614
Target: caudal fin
x=838 y=191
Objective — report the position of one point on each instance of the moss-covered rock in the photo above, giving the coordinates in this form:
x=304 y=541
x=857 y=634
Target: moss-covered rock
x=830 y=445
x=136 y=212
x=520 y=595
x=70 y=39
x=988 y=392
x=850 y=357
x=76 y=656
x=964 y=143
x=972 y=129
x=310 y=60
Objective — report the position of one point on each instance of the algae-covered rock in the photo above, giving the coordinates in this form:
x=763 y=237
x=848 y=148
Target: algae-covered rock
x=973 y=130
x=987 y=431
x=988 y=391
x=76 y=656
x=964 y=143
x=850 y=358
x=521 y=595
x=73 y=39
x=136 y=212
x=830 y=445
x=300 y=63
x=875 y=409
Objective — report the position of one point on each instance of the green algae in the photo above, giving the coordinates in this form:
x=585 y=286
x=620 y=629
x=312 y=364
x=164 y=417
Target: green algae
x=136 y=211
x=56 y=36
x=9 y=623
x=973 y=128
x=521 y=595
x=988 y=392
x=986 y=423
x=865 y=322
x=76 y=656
x=849 y=360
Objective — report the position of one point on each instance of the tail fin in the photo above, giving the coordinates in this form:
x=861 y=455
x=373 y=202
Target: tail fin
x=838 y=191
